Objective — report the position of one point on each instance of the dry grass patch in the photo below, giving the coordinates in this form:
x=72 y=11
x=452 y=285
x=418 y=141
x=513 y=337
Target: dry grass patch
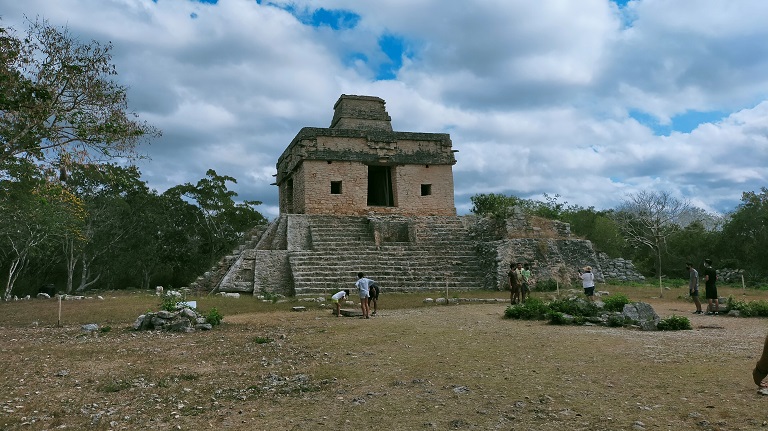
x=413 y=367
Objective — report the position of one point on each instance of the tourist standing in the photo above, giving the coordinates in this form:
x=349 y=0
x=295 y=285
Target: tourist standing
x=363 y=286
x=526 y=277
x=373 y=297
x=710 y=286
x=337 y=298
x=515 y=282
x=588 y=282
x=693 y=286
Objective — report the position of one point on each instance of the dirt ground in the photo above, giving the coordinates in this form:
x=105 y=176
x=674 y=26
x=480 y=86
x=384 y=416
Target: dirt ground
x=460 y=367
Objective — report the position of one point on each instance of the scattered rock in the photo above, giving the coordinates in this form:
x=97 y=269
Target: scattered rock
x=461 y=390
x=89 y=327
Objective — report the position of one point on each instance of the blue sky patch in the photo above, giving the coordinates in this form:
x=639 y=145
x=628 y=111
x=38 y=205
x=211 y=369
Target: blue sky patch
x=394 y=48
x=683 y=123
x=335 y=19
x=690 y=120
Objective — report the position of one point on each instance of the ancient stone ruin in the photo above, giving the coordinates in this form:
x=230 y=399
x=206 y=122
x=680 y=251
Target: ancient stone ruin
x=360 y=197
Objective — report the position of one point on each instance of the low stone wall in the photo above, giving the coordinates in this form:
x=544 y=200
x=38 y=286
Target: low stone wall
x=618 y=269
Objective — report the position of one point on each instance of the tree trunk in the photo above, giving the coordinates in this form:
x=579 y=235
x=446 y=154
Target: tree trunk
x=145 y=279
x=13 y=273
x=71 y=262
x=86 y=272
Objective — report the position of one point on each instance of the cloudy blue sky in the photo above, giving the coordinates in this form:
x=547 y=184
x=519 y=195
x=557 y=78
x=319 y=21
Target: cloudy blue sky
x=590 y=99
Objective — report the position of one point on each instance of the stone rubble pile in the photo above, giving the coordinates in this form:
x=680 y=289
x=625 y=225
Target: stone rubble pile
x=183 y=320
x=728 y=275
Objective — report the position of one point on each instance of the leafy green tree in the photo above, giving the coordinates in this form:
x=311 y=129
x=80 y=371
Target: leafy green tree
x=745 y=235
x=36 y=212
x=550 y=209
x=494 y=205
x=693 y=243
x=597 y=226
x=221 y=220
x=104 y=190
x=58 y=101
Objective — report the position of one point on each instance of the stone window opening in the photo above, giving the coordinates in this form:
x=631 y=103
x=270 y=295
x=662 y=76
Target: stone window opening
x=426 y=189
x=335 y=187
x=380 y=186
x=289 y=196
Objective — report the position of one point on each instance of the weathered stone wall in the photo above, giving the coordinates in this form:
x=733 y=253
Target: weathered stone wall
x=618 y=269
x=389 y=229
x=274 y=237
x=297 y=234
x=360 y=112
x=315 y=196
x=544 y=244
x=549 y=258
x=272 y=273
x=439 y=178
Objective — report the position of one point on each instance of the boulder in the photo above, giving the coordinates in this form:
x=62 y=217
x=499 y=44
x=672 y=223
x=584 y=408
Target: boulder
x=642 y=314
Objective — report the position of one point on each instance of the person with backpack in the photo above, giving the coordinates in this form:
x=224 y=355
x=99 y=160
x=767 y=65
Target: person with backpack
x=373 y=297
x=363 y=287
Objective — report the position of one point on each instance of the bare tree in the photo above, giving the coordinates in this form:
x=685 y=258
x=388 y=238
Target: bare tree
x=647 y=218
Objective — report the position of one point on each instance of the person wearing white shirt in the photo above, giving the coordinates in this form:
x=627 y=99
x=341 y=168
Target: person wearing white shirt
x=588 y=282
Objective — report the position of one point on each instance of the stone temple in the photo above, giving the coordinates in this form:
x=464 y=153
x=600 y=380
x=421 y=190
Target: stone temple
x=360 y=166
x=360 y=197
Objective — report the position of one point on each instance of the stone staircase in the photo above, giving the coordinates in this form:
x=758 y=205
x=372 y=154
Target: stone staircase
x=217 y=275
x=423 y=253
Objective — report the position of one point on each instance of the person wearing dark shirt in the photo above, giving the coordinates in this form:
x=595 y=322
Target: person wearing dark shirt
x=710 y=283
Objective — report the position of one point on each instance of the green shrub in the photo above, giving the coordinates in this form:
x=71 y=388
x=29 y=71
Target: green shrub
x=574 y=307
x=748 y=308
x=615 y=302
x=674 y=323
x=548 y=285
x=269 y=296
x=214 y=317
x=531 y=309
x=262 y=340
x=557 y=318
x=168 y=302
x=616 y=320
